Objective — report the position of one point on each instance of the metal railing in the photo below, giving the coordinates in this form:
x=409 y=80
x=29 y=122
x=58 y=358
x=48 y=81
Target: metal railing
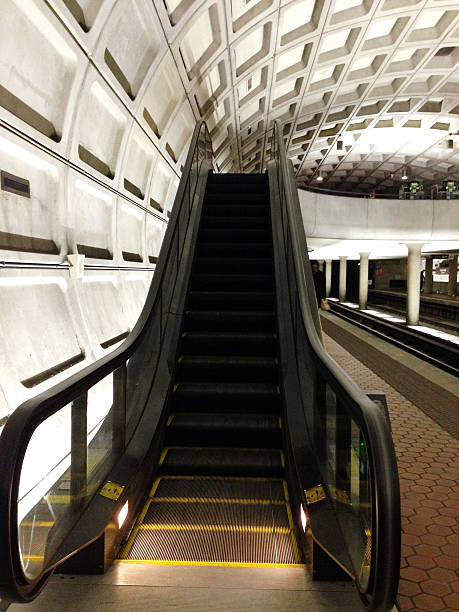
x=59 y=448
x=348 y=480
x=351 y=194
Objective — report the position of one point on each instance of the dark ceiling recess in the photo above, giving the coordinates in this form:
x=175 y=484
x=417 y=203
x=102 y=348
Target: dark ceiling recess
x=15 y=184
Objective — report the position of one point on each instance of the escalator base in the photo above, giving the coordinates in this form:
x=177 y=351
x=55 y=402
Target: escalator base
x=215 y=520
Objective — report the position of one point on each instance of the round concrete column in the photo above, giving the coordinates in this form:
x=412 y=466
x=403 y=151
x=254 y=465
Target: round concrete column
x=428 y=281
x=363 y=280
x=452 y=275
x=328 y=275
x=342 y=277
x=413 y=283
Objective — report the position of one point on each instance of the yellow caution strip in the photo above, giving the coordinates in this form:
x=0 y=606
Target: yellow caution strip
x=296 y=551
x=163 y=455
x=37 y=524
x=231 y=528
x=211 y=563
x=282 y=458
x=238 y=478
x=155 y=486
x=127 y=547
x=217 y=500
x=221 y=448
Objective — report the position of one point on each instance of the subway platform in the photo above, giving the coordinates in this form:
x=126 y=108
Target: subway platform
x=423 y=405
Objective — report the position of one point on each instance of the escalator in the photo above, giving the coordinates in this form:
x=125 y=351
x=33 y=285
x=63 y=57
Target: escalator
x=220 y=431
x=220 y=495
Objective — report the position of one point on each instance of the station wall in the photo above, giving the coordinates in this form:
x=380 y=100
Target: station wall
x=91 y=109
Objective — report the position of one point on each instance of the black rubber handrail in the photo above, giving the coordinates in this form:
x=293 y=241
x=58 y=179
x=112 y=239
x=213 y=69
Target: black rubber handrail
x=382 y=460
x=19 y=428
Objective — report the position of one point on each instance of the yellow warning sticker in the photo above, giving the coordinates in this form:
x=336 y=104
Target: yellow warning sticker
x=111 y=490
x=314 y=494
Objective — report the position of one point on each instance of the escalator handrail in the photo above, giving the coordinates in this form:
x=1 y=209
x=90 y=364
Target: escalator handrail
x=23 y=422
x=368 y=416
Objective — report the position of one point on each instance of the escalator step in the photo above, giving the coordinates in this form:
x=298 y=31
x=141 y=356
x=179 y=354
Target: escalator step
x=267 y=516
x=234 y=430
x=238 y=188
x=238 y=179
x=206 y=487
x=214 y=546
x=234 y=249
x=228 y=343
x=229 y=282
x=234 y=222
x=209 y=320
x=231 y=300
x=227 y=368
x=240 y=210
x=230 y=235
x=225 y=397
x=233 y=265
x=216 y=197
x=221 y=461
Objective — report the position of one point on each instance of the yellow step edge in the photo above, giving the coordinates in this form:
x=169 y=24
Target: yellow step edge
x=127 y=547
x=217 y=500
x=286 y=496
x=212 y=563
x=37 y=524
x=155 y=486
x=238 y=478
x=218 y=528
x=296 y=550
x=163 y=455
x=223 y=448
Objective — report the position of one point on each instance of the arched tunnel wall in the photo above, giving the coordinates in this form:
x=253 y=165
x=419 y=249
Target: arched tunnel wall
x=91 y=109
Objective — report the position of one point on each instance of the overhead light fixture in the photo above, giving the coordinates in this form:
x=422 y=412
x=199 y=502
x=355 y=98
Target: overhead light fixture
x=404 y=174
x=450 y=143
x=339 y=145
x=320 y=177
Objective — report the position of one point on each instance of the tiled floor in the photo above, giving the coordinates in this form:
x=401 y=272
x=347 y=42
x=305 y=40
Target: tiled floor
x=428 y=461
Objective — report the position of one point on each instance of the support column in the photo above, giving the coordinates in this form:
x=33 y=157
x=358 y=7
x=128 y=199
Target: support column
x=428 y=281
x=452 y=275
x=342 y=277
x=413 y=283
x=363 y=281
x=328 y=276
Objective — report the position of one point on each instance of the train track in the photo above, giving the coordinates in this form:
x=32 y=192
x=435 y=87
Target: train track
x=438 y=352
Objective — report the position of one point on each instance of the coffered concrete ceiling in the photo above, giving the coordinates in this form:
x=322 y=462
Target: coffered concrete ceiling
x=378 y=75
